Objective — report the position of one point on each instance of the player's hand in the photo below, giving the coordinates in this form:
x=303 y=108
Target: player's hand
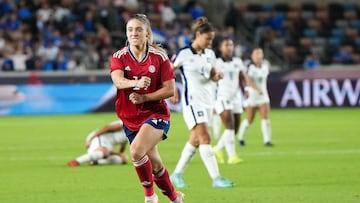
x=218 y=76
x=175 y=99
x=123 y=157
x=136 y=98
x=143 y=82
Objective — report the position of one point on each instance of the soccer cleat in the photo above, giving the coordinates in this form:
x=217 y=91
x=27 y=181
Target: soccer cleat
x=221 y=182
x=234 y=160
x=219 y=156
x=177 y=180
x=73 y=163
x=179 y=198
x=242 y=143
x=152 y=199
x=268 y=144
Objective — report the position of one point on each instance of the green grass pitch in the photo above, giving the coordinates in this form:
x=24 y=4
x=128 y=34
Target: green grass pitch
x=316 y=158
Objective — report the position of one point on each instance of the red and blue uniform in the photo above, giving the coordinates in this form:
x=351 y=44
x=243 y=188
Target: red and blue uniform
x=155 y=65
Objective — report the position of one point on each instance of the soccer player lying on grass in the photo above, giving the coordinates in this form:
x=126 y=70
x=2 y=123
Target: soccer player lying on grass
x=100 y=144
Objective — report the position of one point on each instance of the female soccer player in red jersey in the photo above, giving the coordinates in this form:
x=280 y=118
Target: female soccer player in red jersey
x=143 y=76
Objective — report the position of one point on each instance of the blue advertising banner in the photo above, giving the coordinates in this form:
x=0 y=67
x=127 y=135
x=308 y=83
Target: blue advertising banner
x=54 y=98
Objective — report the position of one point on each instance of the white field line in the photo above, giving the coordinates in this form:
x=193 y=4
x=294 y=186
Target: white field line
x=318 y=152
x=275 y=153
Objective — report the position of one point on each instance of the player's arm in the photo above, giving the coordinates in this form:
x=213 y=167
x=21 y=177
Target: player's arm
x=167 y=90
x=176 y=97
x=242 y=80
x=121 y=82
x=122 y=147
x=250 y=82
x=108 y=128
x=216 y=75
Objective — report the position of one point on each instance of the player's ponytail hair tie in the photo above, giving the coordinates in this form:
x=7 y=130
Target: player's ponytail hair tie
x=202 y=25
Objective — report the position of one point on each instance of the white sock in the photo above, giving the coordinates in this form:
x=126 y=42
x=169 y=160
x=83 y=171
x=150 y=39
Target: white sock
x=216 y=126
x=229 y=141
x=96 y=155
x=266 y=130
x=208 y=157
x=93 y=156
x=186 y=155
x=243 y=128
x=112 y=159
x=84 y=158
x=221 y=143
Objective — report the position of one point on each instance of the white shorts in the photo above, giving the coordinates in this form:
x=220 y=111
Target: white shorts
x=234 y=104
x=195 y=115
x=97 y=142
x=255 y=99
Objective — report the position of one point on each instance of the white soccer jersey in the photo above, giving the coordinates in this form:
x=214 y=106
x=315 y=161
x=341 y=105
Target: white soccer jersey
x=259 y=76
x=228 y=87
x=108 y=140
x=195 y=72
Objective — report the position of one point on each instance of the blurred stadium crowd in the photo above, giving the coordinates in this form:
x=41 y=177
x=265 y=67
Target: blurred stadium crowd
x=82 y=34
x=305 y=34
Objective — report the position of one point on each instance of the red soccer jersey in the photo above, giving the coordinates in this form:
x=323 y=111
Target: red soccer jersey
x=155 y=65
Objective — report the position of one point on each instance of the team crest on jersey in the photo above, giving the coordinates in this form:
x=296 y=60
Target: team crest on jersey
x=152 y=69
x=200 y=113
x=127 y=68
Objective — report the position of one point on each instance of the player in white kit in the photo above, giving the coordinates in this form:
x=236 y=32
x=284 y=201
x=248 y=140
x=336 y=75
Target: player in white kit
x=196 y=63
x=100 y=144
x=228 y=103
x=257 y=97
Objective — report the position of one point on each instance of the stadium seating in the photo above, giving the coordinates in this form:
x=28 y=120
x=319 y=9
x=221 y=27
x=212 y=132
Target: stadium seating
x=328 y=25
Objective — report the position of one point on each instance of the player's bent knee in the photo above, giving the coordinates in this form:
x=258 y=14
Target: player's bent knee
x=136 y=153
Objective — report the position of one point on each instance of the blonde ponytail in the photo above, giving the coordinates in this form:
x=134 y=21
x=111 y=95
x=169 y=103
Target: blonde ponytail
x=150 y=39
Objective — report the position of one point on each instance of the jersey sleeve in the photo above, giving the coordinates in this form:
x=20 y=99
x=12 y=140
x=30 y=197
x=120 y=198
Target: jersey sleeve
x=166 y=71
x=250 y=71
x=116 y=62
x=240 y=64
x=212 y=58
x=177 y=59
x=267 y=67
x=218 y=64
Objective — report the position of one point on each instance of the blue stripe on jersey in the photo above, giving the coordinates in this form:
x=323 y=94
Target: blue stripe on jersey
x=186 y=86
x=193 y=113
x=143 y=59
x=216 y=90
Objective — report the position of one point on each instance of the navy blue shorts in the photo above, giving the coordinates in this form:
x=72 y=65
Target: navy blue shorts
x=154 y=122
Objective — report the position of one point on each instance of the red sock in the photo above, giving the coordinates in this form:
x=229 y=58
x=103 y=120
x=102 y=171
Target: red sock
x=162 y=180
x=144 y=171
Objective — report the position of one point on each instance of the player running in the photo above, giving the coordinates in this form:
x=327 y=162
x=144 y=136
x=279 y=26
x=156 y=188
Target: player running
x=143 y=77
